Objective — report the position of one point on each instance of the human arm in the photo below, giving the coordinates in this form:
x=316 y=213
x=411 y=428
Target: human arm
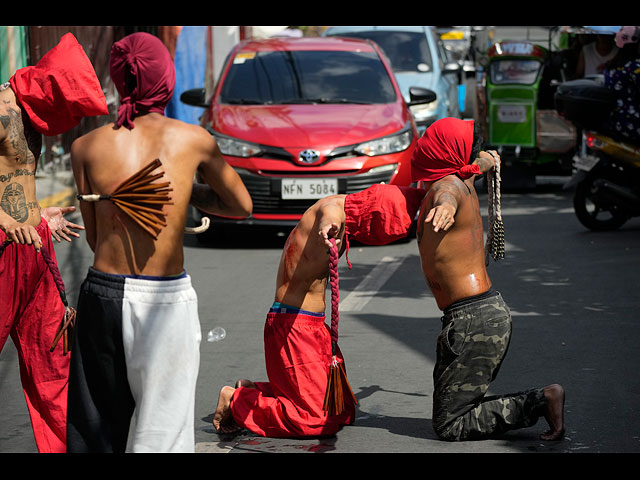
x=60 y=226
x=486 y=161
x=224 y=193
x=445 y=198
x=331 y=219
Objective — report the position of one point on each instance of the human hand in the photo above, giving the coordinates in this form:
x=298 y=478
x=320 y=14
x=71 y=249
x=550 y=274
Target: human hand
x=441 y=217
x=329 y=230
x=59 y=225
x=23 y=234
x=487 y=160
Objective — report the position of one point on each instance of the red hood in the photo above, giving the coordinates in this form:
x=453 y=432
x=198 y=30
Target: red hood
x=321 y=127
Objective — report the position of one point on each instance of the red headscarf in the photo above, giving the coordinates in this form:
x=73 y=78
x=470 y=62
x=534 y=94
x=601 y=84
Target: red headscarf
x=382 y=213
x=444 y=149
x=60 y=89
x=143 y=72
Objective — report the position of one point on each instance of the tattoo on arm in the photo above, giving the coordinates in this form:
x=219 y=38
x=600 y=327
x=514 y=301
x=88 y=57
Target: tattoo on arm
x=24 y=139
x=484 y=163
x=445 y=193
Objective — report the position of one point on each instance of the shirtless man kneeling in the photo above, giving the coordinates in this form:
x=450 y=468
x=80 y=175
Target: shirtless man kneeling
x=476 y=326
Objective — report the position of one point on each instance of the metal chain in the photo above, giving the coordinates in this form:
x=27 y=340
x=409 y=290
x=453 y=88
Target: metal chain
x=495 y=233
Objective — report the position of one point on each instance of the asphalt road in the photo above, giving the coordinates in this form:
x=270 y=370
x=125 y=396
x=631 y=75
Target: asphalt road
x=574 y=299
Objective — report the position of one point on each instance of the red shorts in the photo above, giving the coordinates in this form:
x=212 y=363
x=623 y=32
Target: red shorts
x=298 y=356
x=31 y=313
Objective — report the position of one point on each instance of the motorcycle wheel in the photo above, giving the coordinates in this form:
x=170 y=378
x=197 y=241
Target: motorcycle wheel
x=594 y=212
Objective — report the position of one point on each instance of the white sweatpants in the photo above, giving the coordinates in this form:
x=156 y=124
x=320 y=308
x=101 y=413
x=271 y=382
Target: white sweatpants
x=161 y=337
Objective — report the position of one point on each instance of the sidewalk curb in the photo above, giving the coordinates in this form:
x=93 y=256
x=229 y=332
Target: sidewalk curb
x=64 y=198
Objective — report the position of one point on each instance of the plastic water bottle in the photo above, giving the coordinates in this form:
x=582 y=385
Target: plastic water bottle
x=216 y=334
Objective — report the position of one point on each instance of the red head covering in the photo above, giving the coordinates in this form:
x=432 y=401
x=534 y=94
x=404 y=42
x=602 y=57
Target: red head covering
x=444 y=149
x=143 y=72
x=382 y=213
x=60 y=90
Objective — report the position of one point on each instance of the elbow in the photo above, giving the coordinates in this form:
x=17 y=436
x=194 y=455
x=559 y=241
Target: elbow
x=245 y=206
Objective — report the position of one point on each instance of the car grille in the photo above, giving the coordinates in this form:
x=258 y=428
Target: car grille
x=265 y=191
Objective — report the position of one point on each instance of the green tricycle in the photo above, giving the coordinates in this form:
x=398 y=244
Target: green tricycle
x=515 y=106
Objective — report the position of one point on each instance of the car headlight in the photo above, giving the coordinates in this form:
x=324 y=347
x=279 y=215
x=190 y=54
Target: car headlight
x=386 y=145
x=236 y=148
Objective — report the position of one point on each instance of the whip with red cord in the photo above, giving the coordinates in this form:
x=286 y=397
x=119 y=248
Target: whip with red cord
x=337 y=377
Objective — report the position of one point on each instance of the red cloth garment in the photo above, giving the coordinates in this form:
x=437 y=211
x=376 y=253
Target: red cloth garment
x=444 y=149
x=381 y=213
x=60 y=89
x=298 y=354
x=144 y=75
x=31 y=313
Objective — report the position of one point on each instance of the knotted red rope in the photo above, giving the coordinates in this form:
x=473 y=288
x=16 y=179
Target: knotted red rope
x=69 y=318
x=337 y=377
x=335 y=292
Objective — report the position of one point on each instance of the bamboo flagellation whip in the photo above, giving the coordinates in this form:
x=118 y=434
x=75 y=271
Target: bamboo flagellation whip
x=140 y=198
x=495 y=230
x=337 y=378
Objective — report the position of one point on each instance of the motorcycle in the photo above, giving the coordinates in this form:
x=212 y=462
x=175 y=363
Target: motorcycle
x=607 y=168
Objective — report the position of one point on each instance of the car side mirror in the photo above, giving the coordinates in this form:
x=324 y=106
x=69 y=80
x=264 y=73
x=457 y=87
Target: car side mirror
x=194 y=97
x=420 y=96
x=451 y=67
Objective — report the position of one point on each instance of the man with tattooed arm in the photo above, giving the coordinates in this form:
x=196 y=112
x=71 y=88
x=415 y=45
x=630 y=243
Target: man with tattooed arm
x=30 y=306
x=476 y=322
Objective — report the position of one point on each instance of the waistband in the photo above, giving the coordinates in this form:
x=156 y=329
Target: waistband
x=470 y=300
x=42 y=228
x=278 y=307
x=142 y=283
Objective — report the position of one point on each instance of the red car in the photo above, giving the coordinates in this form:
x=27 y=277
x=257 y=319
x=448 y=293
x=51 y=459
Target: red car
x=301 y=119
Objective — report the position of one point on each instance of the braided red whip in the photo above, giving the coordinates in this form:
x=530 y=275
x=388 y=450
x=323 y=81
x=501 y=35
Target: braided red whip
x=335 y=291
x=337 y=377
x=68 y=320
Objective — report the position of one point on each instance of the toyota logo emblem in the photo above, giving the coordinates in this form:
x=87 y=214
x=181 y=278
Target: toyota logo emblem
x=309 y=156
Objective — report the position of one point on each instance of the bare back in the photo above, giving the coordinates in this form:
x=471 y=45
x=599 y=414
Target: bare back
x=453 y=261
x=304 y=264
x=107 y=156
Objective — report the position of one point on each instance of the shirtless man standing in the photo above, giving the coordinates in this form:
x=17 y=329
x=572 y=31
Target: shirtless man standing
x=476 y=322
x=297 y=341
x=136 y=348
x=30 y=307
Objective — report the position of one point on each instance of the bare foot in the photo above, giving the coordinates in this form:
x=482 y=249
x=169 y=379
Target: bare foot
x=554 y=412
x=243 y=382
x=223 y=419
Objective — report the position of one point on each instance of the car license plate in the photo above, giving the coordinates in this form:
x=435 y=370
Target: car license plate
x=586 y=162
x=512 y=114
x=304 y=188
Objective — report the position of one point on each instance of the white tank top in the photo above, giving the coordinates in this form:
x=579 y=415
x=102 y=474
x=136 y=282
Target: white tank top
x=593 y=61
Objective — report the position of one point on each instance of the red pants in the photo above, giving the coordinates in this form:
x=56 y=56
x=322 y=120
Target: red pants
x=298 y=355
x=31 y=313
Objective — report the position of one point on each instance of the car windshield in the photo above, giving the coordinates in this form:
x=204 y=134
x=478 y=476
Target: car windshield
x=290 y=77
x=523 y=72
x=407 y=51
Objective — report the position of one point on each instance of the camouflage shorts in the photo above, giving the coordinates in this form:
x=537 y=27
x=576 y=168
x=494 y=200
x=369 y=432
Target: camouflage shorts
x=473 y=342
